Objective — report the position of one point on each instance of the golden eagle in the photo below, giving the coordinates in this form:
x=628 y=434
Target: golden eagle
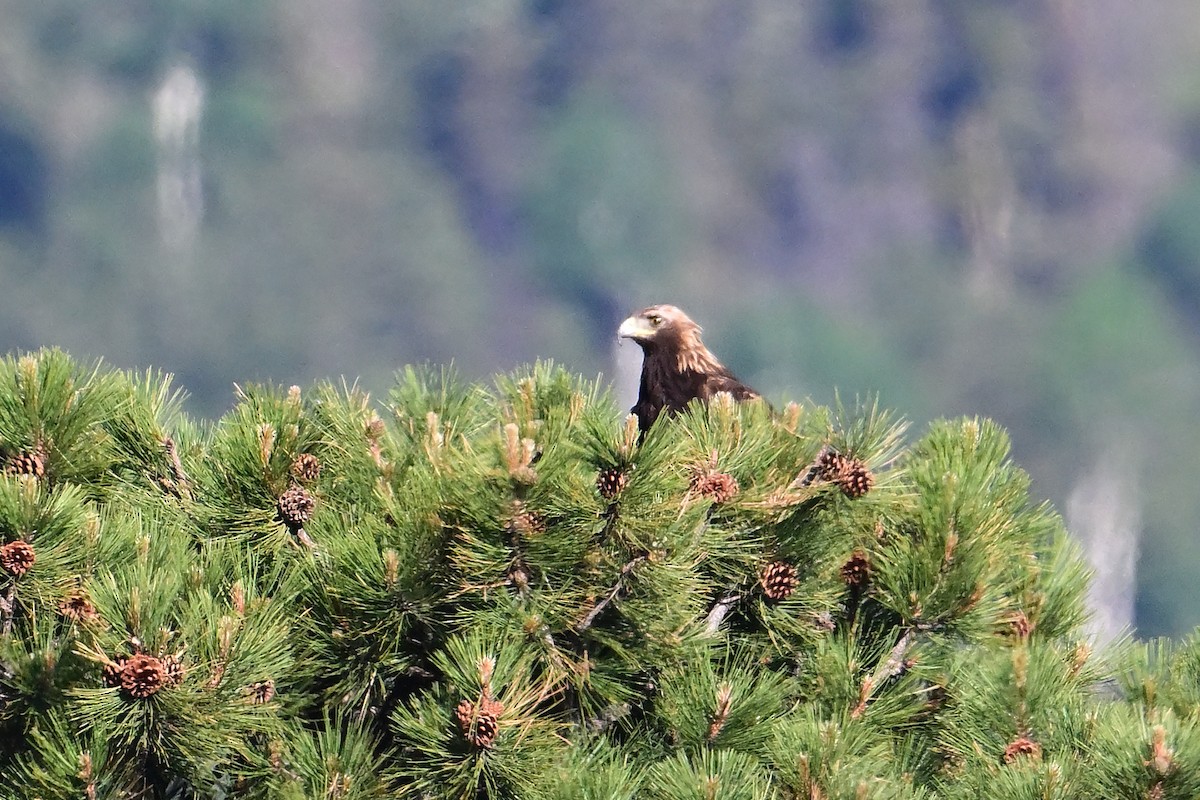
x=676 y=366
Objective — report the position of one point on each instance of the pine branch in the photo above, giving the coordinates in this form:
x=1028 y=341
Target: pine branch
x=303 y=537
x=7 y=602
x=719 y=611
x=181 y=483
x=893 y=666
x=599 y=607
x=609 y=716
x=897 y=663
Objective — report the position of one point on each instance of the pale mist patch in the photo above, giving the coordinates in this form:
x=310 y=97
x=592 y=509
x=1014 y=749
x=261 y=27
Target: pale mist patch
x=1104 y=512
x=178 y=108
x=627 y=371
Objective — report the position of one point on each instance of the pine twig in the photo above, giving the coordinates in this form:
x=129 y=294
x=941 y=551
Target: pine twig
x=864 y=695
x=6 y=607
x=721 y=713
x=180 y=483
x=595 y=612
x=896 y=663
x=719 y=611
x=303 y=537
x=176 y=464
x=609 y=716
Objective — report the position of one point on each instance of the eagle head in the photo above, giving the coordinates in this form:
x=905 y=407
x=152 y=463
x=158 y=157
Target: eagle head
x=658 y=326
x=667 y=333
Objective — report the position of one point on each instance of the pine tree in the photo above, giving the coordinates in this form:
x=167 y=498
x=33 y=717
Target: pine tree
x=507 y=592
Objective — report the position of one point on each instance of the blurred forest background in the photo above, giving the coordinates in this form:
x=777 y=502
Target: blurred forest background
x=968 y=206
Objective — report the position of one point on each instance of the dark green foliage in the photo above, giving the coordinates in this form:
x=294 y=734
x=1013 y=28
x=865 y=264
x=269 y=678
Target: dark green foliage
x=509 y=593
x=708 y=775
x=58 y=412
x=333 y=759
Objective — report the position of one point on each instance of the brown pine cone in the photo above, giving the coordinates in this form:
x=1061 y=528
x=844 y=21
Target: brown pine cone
x=778 y=580
x=143 y=676
x=296 y=506
x=111 y=672
x=829 y=464
x=850 y=474
x=611 y=481
x=490 y=707
x=27 y=462
x=720 y=487
x=856 y=572
x=306 y=468
x=464 y=712
x=479 y=724
x=173 y=669
x=855 y=479
x=487 y=727
x=262 y=692
x=526 y=521
x=78 y=608
x=17 y=557
x=1022 y=746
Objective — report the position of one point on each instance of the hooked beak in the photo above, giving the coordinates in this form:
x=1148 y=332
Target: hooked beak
x=634 y=328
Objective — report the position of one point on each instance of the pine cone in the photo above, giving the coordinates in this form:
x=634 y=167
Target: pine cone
x=17 y=557
x=518 y=574
x=464 y=712
x=824 y=621
x=778 y=580
x=490 y=706
x=173 y=669
x=486 y=729
x=143 y=676
x=1022 y=746
x=611 y=481
x=525 y=521
x=306 y=468
x=261 y=692
x=78 y=608
x=27 y=462
x=479 y=724
x=829 y=464
x=1020 y=625
x=296 y=506
x=856 y=572
x=850 y=474
x=111 y=672
x=720 y=487
x=855 y=479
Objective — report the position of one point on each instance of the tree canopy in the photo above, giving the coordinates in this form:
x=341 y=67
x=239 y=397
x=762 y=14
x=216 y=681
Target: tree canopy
x=504 y=591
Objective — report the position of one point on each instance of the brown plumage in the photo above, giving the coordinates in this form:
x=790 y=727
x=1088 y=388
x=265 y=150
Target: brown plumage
x=676 y=366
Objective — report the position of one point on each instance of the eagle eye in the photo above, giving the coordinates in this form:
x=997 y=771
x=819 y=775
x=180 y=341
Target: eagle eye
x=655 y=320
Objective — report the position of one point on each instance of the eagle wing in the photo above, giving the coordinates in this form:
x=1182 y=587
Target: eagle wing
x=726 y=382
x=671 y=391
x=650 y=401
